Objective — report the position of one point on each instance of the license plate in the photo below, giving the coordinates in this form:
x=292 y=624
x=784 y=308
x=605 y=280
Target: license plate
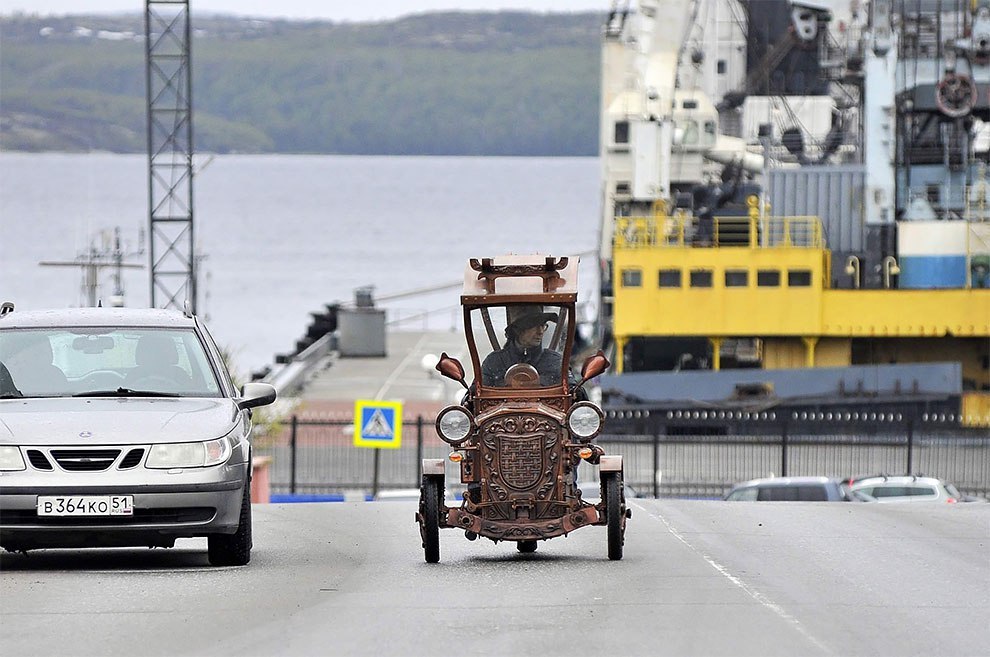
x=86 y=505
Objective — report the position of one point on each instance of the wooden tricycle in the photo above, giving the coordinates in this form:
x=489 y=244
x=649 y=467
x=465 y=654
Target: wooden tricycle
x=524 y=424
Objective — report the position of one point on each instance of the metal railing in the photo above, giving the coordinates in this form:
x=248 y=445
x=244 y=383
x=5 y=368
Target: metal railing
x=681 y=229
x=290 y=376
x=312 y=456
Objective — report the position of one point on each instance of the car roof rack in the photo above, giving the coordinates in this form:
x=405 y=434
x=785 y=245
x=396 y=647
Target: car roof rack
x=851 y=480
x=6 y=308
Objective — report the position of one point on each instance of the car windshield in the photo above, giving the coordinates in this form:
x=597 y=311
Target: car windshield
x=520 y=345
x=104 y=361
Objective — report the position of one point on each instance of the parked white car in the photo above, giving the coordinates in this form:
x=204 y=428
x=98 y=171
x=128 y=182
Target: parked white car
x=907 y=488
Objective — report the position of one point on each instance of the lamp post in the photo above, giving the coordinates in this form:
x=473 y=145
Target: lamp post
x=890 y=268
x=852 y=269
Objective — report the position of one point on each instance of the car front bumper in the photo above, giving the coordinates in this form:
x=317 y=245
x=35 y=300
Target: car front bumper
x=189 y=503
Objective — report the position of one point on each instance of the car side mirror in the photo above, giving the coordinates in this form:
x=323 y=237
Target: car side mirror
x=592 y=367
x=451 y=368
x=256 y=394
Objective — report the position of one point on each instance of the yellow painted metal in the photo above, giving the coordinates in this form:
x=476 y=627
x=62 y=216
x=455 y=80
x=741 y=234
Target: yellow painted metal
x=833 y=352
x=781 y=310
x=809 y=350
x=620 y=345
x=716 y=353
x=975 y=409
x=793 y=353
x=751 y=310
x=768 y=279
x=907 y=313
x=783 y=353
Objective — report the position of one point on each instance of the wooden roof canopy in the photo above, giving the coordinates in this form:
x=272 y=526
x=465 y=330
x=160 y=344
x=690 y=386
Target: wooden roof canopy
x=508 y=277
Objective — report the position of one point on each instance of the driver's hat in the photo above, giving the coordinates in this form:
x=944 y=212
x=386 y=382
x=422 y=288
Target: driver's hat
x=525 y=316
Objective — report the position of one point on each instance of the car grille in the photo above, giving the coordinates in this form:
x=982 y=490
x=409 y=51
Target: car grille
x=38 y=460
x=168 y=516
x=85 y=460
x=132 y=459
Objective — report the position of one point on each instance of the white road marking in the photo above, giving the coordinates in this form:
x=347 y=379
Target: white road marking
x=750 y=591
x=413 y=353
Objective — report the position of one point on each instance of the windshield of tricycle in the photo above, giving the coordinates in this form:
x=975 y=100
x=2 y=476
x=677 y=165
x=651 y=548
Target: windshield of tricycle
x=520 y=345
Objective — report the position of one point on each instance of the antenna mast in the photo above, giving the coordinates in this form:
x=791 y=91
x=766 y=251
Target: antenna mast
x=94 y=260
x=170 y=149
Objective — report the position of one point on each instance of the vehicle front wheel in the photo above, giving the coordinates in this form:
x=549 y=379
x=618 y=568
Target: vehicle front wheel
x=614 y=515
x=430 y=525
x=526 y=546
x=234 y=549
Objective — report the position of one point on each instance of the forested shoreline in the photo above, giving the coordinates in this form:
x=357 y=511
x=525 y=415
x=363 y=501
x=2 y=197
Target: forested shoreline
x=452 y=83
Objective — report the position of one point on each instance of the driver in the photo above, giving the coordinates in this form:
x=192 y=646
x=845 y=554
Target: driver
x=524 y=344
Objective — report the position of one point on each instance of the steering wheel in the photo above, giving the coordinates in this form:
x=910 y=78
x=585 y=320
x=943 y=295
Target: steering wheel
x=522 y=375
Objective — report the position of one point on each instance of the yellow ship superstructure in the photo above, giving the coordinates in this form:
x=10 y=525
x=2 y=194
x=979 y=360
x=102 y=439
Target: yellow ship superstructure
x=762 y=283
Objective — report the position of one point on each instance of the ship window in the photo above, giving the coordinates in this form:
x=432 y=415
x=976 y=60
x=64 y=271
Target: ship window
x=736 y=278
x=701 y=278
x=622 y=188
x=632 y=278
x=670 y=278
x=720 y=67
x=622 y=132
x=690 y=135
x=799 y=278
x=690 y=104
x=768 y=278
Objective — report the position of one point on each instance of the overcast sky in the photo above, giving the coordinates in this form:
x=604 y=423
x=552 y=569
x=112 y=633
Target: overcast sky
x=338 y=10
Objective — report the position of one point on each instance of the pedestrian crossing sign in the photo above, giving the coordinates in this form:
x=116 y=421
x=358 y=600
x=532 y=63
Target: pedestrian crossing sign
x=377 y=424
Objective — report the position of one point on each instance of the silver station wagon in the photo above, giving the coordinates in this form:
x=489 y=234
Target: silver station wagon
x=122 y=427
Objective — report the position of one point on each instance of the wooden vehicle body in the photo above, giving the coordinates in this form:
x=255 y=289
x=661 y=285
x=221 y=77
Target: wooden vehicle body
x=522 y=429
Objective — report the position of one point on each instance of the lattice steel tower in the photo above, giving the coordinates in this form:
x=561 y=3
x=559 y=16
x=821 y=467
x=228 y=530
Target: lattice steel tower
x=170 y=150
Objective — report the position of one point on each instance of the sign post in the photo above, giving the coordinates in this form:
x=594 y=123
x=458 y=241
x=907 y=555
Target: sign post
x=377 y=424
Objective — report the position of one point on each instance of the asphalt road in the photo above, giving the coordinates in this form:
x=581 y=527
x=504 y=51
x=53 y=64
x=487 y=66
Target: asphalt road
x=698 y=578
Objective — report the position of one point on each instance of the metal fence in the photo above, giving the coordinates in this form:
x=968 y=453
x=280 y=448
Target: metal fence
x=317 y=456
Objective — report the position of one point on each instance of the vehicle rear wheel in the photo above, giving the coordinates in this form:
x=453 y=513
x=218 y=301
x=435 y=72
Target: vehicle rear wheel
x=613 y=515
x=430 y=526
x=234 y=549
x=526 y=546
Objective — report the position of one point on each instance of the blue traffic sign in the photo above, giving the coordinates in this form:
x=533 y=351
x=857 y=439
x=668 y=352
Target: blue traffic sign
x=377 y=424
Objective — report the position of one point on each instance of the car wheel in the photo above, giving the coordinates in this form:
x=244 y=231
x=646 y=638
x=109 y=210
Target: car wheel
x=430 y=524
x=526 y=546
x=613 y=514
x=234 y=549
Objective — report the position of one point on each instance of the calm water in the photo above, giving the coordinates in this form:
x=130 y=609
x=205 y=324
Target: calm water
x=284 y=235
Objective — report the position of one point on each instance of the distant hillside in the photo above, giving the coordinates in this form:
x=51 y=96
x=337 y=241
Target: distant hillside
x=506 y=83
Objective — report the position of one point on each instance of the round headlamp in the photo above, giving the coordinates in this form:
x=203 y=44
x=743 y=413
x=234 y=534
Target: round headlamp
x=584 y=420
x=455 y=425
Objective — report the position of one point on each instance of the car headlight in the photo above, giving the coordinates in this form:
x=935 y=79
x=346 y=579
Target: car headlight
x=10 y=458
x=455 y=425
x=584 y=420
x=189 y=455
